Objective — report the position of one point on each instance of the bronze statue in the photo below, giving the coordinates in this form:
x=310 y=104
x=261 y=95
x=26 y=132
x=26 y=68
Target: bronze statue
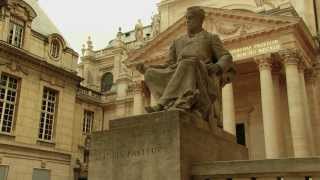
x=192 y=78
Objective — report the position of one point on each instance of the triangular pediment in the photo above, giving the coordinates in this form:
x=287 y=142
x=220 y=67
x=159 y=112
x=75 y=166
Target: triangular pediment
x=230 y=25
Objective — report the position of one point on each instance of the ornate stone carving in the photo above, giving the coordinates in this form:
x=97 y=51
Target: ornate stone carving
x=43 y=164
x=264 y=61
x=139 y=31
x=15 y=67
x=138 y=87
x=291 y=56
x=231 y=28
x=155 y=25
x=227 y=29
x=311 y=76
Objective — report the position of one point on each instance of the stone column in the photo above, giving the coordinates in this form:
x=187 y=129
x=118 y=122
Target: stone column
x=313 y=101
x=291 y=59
x=268 y=108
x=229 y=119
x=306 y=106
x=138 y=107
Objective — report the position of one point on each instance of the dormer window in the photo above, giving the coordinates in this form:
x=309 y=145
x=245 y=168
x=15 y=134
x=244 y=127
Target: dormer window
x=15 y=35
x=55 y=48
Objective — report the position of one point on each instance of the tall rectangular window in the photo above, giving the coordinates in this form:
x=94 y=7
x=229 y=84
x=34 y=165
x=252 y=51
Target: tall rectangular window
x=48 y=110
x=15 y=34
x=87 y=121
x=3 y=172
x=41 y=174
x=8 y=99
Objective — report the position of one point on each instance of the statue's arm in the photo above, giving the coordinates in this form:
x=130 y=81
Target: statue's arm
x=222 y=55
x=224 y=60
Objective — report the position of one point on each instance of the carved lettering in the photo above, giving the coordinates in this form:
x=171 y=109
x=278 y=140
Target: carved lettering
x=100 y=155
x=256 y=49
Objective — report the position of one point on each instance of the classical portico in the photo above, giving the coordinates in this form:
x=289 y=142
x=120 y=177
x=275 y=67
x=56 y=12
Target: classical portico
x=274 y=96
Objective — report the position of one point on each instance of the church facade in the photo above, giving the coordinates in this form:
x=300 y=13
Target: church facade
x=49 y=103
x=272 y=106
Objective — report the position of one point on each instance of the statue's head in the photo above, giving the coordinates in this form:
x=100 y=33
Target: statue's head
x=194 y=17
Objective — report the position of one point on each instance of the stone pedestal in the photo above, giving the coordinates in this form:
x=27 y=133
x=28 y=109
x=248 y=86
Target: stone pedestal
x=158 y=146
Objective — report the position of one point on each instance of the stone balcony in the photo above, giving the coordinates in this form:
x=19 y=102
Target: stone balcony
x=89 y=94
x=275 y=169
x=101 y=98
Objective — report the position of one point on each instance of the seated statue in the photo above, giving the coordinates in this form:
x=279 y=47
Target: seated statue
x=192 y=78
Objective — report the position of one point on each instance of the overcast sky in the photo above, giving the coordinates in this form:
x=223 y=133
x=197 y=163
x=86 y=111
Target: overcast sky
x=100 y=19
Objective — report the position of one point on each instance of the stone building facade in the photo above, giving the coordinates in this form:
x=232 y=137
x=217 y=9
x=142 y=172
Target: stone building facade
x=49 y=103
x=272 y=106
x=45 y=115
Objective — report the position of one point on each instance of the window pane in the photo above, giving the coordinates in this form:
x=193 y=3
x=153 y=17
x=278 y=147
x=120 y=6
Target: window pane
x=47 y=114
x=106 y=82
x=15 y=34
x=8 y=96
x=87 y=121
x=3 y=172
x=41 y=174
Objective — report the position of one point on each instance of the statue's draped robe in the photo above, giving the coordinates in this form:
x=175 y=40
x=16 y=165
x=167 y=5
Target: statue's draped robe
x=184 y=83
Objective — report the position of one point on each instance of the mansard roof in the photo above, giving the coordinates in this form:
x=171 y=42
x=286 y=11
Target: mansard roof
x=42 y=23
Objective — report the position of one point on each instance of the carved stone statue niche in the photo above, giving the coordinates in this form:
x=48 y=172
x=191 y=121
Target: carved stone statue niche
x=197 y=68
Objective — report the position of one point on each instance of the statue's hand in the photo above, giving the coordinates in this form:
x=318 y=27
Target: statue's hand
x=214 y=69
x=141 y=68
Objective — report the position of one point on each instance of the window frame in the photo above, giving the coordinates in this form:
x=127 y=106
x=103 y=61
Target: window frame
x=6 y=172
x=41 y=169
x=54 y=114
x=16 y=103
x=106 y=76
x=13 y=24
x=85 y=122
x=55 y=54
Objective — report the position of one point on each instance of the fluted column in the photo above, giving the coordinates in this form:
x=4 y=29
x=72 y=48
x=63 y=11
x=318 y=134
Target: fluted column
x=229 y=119
x=311 y=80
x=268 y=108
x=291 y=60
x=138 y=107
x=313 y=92
x=307 y=114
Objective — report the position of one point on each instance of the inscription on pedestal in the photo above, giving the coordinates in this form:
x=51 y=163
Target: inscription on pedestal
x=125 y=154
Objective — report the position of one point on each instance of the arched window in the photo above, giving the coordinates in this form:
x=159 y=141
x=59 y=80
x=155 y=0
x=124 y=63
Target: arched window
x=106 y=82
x=55 y=48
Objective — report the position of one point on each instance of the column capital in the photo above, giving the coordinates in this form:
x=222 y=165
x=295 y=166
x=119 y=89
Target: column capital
x=264 y=61
x=138 y=87
x=291 y=56
x=311 y=76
